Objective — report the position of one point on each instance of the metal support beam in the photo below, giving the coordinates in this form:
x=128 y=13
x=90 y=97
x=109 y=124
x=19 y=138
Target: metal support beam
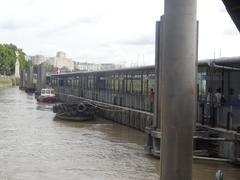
x=178 y=89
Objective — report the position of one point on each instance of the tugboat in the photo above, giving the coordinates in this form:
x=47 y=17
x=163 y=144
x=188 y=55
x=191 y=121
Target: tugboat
x=75 y=111
x=47 y=96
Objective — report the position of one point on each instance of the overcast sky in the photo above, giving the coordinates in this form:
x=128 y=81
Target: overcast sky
x=117 y=31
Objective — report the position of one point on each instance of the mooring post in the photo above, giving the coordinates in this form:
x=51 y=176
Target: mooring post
x=41 y=81
x=178 y=89
x=30 y=77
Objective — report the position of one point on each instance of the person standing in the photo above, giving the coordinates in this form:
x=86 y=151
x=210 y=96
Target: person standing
x=218 y=97
x=210 y=107
x=151 y=98
x=217 y=106
x=208 y=103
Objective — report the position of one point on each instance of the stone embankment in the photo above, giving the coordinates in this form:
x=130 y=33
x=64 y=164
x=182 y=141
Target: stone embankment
x=6 y=81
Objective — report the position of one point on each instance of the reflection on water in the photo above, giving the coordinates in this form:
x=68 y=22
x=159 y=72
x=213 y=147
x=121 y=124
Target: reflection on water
x=43 y=107
x=35 y=146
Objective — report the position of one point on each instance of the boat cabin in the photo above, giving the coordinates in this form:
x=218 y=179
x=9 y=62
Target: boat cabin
x=48 y=92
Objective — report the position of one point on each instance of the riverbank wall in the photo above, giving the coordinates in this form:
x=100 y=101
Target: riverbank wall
x=6 y=81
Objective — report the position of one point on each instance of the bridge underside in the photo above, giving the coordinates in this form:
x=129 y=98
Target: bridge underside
x=233 y=8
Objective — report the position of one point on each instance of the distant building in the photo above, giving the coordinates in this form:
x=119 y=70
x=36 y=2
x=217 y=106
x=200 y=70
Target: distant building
x=27 y=58
x=110 y=66
x=61 y=61
x=61 y=54
x=64 y=64
x=84 y=66
x=37 y=59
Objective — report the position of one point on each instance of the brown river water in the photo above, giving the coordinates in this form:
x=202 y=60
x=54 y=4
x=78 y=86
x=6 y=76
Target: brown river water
x=34 y=146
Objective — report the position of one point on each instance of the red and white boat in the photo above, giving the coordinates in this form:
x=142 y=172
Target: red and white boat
x=47 y=96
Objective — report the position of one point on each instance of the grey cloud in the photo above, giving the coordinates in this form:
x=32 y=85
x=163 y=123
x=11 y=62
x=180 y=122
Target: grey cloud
x=230 y=32
x=143 y=40
x=26 y=2
x=15 y=24
x=12 y=25
x=60 y=28
x=86 y=20
x=139 y=41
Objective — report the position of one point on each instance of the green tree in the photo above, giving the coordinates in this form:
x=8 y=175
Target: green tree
x=8 y=59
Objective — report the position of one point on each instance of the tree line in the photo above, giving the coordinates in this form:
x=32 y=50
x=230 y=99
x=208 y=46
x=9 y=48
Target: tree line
x=8 y=59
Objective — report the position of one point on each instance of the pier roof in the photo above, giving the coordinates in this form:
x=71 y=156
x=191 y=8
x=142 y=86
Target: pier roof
x=233 y=8
x=224 y=61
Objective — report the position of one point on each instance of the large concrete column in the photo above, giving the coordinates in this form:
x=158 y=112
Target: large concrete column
x=41 y=80
x=158 y=71
x=21 y=79
x=178 y=89
x=156 y=118
x=30 y=77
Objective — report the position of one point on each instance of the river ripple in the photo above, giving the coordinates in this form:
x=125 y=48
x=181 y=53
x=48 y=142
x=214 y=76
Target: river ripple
x=34 y=146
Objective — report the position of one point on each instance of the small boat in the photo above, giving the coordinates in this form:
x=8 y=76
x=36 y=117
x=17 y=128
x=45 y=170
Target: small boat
x=47 y=96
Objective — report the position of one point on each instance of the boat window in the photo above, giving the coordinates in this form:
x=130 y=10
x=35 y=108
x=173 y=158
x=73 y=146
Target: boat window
x=47 y=91
x=42 y=91
x=52 y=92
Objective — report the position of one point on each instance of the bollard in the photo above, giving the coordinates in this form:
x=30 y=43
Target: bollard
x=219 y=175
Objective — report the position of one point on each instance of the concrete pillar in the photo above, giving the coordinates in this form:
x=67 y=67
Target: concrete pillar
x=21 y=79
x=157 y=80
x=30 y=77
x=43 y=75
x=24 y=80
x=41 y=79
x=158 y=70
x=178 y=89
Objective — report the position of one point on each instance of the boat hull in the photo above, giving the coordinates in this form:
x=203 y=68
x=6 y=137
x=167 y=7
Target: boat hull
x=73 y=118
x=46 y=99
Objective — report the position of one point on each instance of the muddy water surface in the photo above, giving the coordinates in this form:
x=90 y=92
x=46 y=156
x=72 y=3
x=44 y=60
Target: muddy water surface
x=35 y=146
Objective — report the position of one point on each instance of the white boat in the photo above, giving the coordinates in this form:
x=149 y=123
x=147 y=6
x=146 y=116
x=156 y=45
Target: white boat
x=47 y=96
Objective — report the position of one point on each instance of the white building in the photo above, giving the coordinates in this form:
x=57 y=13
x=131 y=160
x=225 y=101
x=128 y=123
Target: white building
x=84 y=66
x=61 y=61
x=110 y=66
x=37 y=59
